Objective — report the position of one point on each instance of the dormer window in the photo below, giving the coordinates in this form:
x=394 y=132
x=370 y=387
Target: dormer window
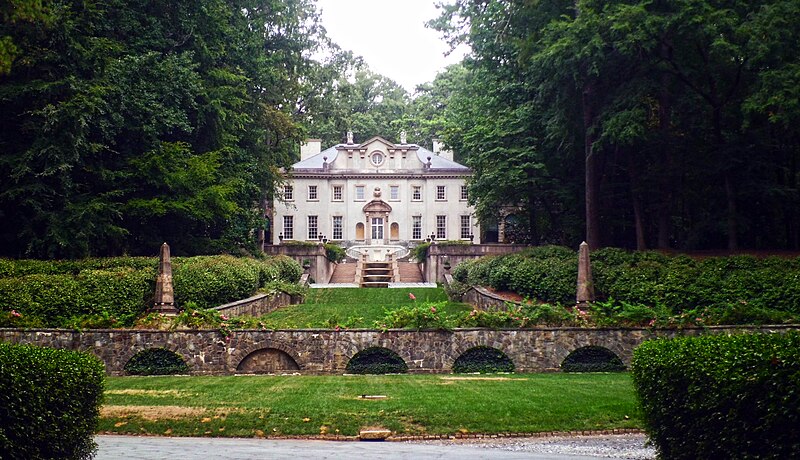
x=376 y=158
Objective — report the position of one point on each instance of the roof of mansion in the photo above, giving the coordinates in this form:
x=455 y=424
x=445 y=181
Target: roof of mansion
x=429 y=163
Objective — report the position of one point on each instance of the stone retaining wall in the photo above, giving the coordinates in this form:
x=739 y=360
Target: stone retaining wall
x=259 y=304
x=482 y=299
x=328 y=351
x=433 y=267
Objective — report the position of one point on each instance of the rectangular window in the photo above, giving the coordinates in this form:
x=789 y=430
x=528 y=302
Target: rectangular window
x=312 y=192
x=312 y=228
x=394 y=192
x=464 y=193
x=416 y=193
x=441 y=193
x=377 y=228
x=416 y=227
x=337 y=193
x=466 y=227
x=337 y=227
x=441 y=227
x=359 y=192
x=288 y=192
x=288 y=227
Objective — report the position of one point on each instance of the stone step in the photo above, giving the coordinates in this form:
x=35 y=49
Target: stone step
x=344 y=273
x=409 y=272
x=375 y=284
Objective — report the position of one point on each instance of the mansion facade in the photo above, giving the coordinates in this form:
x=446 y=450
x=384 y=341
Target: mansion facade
x=374 y=193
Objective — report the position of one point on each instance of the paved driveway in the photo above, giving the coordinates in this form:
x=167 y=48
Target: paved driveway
x=153 y=448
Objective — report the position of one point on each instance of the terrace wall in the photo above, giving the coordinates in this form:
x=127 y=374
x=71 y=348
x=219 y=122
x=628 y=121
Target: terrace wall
x=328 y=351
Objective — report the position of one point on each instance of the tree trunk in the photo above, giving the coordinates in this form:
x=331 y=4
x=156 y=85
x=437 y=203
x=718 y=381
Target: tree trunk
x=533 y=233
x=592 y=195
x=667 y=177
x=638 y=221
x=730 y=193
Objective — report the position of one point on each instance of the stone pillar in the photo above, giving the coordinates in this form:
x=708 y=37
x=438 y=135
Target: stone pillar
x=165 y=295
x=585 y=292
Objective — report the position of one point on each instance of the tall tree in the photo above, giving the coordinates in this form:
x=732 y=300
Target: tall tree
x=127 y=123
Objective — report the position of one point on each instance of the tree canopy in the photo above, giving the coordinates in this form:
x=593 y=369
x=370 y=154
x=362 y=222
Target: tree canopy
x=669 y=119
x=632 y=123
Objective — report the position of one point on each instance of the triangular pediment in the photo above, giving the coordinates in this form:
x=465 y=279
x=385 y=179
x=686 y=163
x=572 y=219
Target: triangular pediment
x=378 y=139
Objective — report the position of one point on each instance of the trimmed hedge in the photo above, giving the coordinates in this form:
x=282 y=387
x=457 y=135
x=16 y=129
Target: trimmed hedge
x=592 y=359
x=720 y=290
x=484 y=360
x=727 y=396
x=376 y=360
x=156 y=361
x=116 y=291
x=49 y=402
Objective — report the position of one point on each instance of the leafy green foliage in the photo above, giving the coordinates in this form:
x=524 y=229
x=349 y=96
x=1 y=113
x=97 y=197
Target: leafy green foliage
x=483 y=360
x=721 y=396
x=592 y=359
x=334 y=252
x=156 y=361
x=342 y=94
x=49 y=402
x=127 y=124
x=627 y=123
x=376 y=360
x=420 y=252
x=114 y=292
x=650 y=288
x=427 y=315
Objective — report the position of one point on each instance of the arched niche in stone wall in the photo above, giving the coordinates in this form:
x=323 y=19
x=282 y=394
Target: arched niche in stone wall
x=156 y=361
x=360 y=231
x=483 y=359
x=592 y=358
x=394 y=231
x=267 y=361
x=376 y=360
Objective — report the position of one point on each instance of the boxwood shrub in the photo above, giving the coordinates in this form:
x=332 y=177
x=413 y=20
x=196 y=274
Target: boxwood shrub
x=116 y=291
x=724 y=396
x=49 y=402
x=724 y=290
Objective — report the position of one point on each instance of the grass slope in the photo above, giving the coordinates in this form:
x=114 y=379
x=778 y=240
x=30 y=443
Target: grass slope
x=248 y=406
x=354 y=307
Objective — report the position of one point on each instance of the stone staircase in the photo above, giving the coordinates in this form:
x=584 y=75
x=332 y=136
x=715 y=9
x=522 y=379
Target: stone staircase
x=409 y=272
x=377 y=274
x=367 y=273
x=344 y=273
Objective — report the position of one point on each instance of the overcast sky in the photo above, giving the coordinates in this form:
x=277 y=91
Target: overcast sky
x=391 y=37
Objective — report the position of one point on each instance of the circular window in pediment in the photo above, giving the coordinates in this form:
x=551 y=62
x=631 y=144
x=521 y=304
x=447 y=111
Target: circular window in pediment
x=377 y=158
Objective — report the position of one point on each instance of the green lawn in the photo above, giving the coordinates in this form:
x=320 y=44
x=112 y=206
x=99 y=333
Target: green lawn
x=416 y=404
x=354 y=307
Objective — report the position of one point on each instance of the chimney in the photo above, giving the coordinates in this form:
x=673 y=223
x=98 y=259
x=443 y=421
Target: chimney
x=310 y=148
x=439 y=150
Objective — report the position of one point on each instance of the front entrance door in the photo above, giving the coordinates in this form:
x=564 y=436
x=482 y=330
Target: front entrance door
x=377 y=229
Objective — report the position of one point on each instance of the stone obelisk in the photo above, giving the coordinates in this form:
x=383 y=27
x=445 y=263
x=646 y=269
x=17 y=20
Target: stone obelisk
x=165 y=295
x=585 y=284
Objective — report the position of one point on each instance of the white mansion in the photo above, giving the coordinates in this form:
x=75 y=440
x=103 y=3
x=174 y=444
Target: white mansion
x=374 y=193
